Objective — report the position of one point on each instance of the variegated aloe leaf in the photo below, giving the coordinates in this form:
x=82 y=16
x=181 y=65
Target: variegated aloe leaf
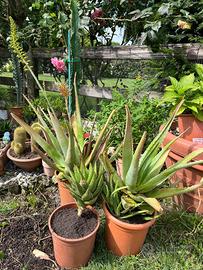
x=162 y=193
x=127 y=152
x=71 y=158
x=132 y=174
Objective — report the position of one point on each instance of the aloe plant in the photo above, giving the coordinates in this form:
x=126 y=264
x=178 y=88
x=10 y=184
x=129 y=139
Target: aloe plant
x=142 y=183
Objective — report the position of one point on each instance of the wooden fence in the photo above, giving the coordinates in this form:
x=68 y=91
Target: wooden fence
x=193 y=52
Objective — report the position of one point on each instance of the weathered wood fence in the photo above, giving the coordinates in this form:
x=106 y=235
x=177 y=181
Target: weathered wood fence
x=193 y=52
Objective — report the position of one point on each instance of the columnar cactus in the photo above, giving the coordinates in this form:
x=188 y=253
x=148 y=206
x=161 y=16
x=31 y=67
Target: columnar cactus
x=19 y=139
x=37 y=128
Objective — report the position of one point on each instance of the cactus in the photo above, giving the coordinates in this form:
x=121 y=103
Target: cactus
x=19 y=139
x=37 y=128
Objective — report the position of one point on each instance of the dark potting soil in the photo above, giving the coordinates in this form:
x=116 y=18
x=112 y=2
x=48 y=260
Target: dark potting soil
x=68 y=224
x=135 y=220
x=26 y=155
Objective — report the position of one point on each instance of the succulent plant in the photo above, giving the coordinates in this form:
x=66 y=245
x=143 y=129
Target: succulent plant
x=37 y=128
x=142 y=184
x=86 y=184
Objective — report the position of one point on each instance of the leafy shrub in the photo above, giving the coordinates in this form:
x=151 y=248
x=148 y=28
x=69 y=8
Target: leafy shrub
x=146 y=116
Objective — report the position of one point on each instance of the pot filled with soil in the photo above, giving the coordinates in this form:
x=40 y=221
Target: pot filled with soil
x=125 y=238
x=73 y=236
x=3 y=156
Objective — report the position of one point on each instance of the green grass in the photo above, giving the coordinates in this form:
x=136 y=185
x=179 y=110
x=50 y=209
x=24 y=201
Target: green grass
x=8 y=206
x=174 y=243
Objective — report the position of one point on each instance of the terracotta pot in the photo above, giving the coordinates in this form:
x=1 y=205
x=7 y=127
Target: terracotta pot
x=192 y=201
x=48 y=171
x=25 y=164
x=17 y=111
x=195 y=126
x=72 y=253
x=64 y=193
x=124 y=239
x=3 y=158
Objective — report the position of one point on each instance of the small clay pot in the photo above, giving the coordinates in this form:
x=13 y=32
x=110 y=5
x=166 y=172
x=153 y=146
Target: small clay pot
x=17 y=111
x=64 y=193
x=48 y=171
x=72 y=253
x=124 y=239
x=25 y=164
x=3 y=158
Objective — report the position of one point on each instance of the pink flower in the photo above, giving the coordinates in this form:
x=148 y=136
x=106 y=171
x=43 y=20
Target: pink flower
x=58 y=64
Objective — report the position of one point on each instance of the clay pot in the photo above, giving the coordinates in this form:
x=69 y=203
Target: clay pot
x=64 y=193
x=124 y=239
x=195 y=126
x=3 y=158
x=48 y=171
x=192 y=201
x=17 y=111
x=25 y=164
x=72 y=253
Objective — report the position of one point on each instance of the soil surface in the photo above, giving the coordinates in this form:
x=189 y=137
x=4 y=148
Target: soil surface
x=68 y=224
x=24 y=229
x=26 y=155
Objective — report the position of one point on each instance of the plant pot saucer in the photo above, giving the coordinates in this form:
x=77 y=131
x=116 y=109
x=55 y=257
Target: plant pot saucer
x=25 y=164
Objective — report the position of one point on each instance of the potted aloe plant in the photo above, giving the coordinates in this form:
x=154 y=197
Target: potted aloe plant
x=190 y=115
x=132 y=199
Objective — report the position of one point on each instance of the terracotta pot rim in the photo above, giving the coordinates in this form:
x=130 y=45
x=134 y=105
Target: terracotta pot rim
x=69 y=240
x=21 y=159
x=2 y=151
x=127 y=225
x=186 y=115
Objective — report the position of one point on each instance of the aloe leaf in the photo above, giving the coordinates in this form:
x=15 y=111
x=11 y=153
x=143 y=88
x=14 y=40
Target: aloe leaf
x=60 y=134
x=127 y=144
x=169 y=192
x=153 y=202
x=132 y=174
x=163 y=176
x=154 y=146
x=45 y=158
x=99 y=139
x=70 y=155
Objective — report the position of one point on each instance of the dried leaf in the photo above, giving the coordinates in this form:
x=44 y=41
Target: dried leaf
x=41 y=255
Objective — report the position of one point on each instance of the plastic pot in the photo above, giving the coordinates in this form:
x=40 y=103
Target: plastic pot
x=72 y=253
x=48 y=171
x=124 y=239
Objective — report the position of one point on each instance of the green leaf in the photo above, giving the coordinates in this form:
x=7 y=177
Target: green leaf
x=127 y=144
x=132 y=174
x=169 y=192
